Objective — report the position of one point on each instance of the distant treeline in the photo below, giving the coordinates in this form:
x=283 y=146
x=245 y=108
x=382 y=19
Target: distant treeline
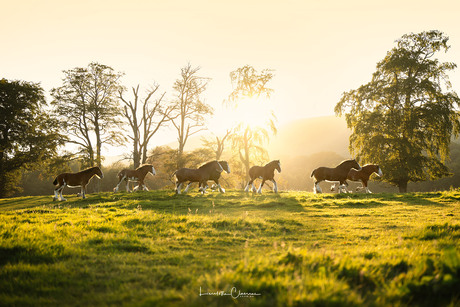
x=295 y=174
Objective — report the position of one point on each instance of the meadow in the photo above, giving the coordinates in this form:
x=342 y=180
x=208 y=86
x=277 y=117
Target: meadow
x=235 y=249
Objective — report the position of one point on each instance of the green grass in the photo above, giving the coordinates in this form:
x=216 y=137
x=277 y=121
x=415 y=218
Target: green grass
x=288 y=249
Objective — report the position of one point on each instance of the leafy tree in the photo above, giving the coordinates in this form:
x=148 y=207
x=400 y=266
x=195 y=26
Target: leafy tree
x=190 y=109
x=403 y=119
x=247 y=139
x=87 y=104
x=28 y=134
x=144 y=123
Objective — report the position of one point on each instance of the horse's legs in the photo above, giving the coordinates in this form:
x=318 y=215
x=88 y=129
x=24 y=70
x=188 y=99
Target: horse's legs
x=249 y=183
x=317 y=189
x=178 y=187
x=58 y=192
x=221 y=189
x=261 y=185
x=60 y=189
x=366 y=189
x=204 y=186
x=275 y=186
x=83 y=191
x=188 y=185
x=115 y=189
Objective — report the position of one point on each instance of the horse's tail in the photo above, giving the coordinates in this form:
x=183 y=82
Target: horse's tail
x=313 y=173
x=55 y=182
x=170 y=178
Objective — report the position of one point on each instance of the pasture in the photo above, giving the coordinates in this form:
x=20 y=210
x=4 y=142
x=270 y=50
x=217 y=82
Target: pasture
x=288 y=249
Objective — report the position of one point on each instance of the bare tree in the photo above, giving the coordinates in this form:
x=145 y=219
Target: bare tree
x=145 y=117
x=217 y=145
x=190 y=110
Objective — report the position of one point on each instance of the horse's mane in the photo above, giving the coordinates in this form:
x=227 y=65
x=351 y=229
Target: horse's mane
x=142 y=166
x=89 y=169
x=272 y=162
x=207 y=164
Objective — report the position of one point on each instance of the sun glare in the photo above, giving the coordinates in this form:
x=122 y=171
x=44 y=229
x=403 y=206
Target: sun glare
x=253 y=112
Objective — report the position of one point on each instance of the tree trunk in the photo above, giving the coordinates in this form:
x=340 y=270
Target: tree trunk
x=402 y=187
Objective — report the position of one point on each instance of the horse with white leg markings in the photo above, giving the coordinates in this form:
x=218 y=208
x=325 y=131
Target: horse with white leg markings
x=338 y=173
x=265 y=173
x=363 y=175
x=73 y=180
x=215 y=175
x=200 y=175
x=135 y=175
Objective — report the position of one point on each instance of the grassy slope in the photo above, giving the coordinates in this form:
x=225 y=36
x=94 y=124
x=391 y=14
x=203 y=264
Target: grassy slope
x=152 y=248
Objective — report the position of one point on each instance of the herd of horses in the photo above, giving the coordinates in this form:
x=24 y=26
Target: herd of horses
x=211 y=171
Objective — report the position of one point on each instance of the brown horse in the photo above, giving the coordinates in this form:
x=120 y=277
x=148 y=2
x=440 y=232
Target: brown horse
x=135 y=175
x=363 y=175
x=266 y=172
x=215 y=176
x=73 y=180
x=338 y=173
x=200 y=175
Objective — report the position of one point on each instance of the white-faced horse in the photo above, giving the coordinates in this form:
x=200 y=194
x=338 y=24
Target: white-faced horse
x=338 y=173
x=266 y=172
x=363 y=175
x=73 y=180
x=200 y=175
x=135 y=175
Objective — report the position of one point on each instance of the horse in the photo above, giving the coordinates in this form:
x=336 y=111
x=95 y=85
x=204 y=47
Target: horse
x=266 y=172
x=215 y=175
x=364 y=174
x=339 y=173
x=135 y=175
x=200 y=175
x=73 y=180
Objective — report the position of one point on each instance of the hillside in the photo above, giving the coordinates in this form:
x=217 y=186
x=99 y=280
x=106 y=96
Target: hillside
x=289 y=249
x=308 y=136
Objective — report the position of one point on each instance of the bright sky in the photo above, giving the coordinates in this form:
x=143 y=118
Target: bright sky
x=318 y=49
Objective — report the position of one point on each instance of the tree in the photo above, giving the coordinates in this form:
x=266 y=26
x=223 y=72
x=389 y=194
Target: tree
x=28 y=134
x=217 y=146
x=190 y=110
x=87 y=104
x=147 y=122
x=248 y=139
x=403 y=119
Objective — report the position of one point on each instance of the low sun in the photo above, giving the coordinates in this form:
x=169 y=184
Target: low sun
x=253 y=112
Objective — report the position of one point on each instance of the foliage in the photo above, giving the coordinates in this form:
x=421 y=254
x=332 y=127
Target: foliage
x=294 y=249
x=188 y=117
x=28 y=135
x=87 y=105
x=247 y=82
x=403 y=119
x=249 y=140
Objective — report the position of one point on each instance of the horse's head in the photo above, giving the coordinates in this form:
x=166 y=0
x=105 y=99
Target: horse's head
x=378 y=171
x=98 y=172
x=353 y=164
x=275 y=164
x=225 y=166
x=152 y=170
x=278 y=166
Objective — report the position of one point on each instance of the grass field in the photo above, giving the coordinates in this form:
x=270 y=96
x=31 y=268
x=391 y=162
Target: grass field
x=288 y=249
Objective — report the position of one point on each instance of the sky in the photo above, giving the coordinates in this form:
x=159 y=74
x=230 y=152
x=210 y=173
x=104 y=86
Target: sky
x=317 y=49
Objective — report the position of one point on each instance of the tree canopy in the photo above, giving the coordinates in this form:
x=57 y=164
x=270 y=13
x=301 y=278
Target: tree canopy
x=28 y=134
x=87 y=104
x=404 y=118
